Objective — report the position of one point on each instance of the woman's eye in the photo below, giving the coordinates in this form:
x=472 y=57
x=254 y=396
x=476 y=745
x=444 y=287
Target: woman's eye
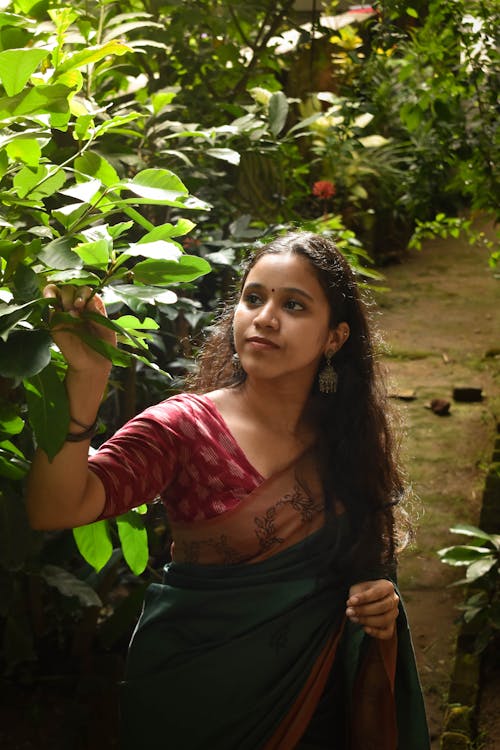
x=252 y=299
x=293 y=304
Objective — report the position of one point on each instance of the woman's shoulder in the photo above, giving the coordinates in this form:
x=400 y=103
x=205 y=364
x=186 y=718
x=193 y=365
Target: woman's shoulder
x=184 y=409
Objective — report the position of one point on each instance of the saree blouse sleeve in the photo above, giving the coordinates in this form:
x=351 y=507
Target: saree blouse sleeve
x=180 y=452
x=141 y=459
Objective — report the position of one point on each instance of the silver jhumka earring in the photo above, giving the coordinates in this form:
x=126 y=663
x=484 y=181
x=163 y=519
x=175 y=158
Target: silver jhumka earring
x=236 y=362
x=327 y=377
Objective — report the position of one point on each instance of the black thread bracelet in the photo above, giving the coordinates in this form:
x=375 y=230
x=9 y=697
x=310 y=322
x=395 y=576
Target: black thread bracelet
x=87 y=434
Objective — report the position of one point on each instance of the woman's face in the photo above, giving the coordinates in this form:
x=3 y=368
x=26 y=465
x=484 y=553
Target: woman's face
x=282 y=320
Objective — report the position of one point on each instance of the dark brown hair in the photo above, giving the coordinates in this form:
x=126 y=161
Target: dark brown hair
x=356 y=443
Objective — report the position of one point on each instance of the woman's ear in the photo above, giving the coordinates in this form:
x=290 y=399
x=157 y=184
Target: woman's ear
x=337 y=337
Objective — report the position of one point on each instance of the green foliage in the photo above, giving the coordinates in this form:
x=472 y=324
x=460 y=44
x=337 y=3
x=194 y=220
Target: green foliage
x=481 y=558
x=72 y=214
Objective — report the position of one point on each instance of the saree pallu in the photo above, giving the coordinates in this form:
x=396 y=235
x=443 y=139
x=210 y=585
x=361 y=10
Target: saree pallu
x=245 y=646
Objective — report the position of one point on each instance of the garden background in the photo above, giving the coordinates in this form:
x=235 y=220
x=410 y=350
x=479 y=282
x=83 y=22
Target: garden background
x=144 y=147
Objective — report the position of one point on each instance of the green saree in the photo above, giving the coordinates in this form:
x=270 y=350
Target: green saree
x=245 y=645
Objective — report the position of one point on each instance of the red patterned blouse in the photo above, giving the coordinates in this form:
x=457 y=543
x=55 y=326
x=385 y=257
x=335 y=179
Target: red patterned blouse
x=180 y=451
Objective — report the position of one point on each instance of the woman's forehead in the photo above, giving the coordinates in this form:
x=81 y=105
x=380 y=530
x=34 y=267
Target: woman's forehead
x=283 y=270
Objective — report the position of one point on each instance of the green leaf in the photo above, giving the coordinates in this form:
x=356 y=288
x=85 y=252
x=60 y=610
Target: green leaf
x=187 y=268
x=10 y=421
x=462 y=555
x=24 y=353
x=132 y=294
x=12 y=467
x=411 y=12
x=68 y=215
x=134 y=541
x=59 y=255
x=373 y=141
x=12 y=314
x=69 y=585
x=468 y=530
x=16 y=67
x=94 y=165
x=224 y=154
x=94 y=254
x=75 y=277
x=83 y=191
x=166 y=231
x=38 y=183
x=27 y=150
x=26 y=284
x=159 y=250
x=36 y=101
x=48 y=409
x=157 y=185
x=94 y=543
x=278 y=112
x=480 y=568
x=134 y=324
x=91 y=55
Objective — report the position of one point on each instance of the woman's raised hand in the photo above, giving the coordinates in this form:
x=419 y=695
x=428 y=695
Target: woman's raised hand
x=375 y=606
x=75 y=300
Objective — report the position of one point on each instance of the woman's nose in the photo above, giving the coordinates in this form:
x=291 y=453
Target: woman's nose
x=267 y=316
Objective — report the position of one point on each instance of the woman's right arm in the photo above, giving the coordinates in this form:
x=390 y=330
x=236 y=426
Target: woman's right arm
x=64 y=493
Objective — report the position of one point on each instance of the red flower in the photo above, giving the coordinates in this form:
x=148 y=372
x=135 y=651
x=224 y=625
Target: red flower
x=324 y=189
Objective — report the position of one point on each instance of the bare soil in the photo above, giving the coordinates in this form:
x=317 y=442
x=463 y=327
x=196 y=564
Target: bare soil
x=440 y=323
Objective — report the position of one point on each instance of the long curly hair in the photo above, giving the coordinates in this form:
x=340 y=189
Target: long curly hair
x=356 y=446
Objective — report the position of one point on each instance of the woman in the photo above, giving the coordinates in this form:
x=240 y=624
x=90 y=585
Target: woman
x=277 y=625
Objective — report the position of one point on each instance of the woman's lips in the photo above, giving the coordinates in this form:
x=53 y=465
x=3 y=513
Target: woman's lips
x=257 y=342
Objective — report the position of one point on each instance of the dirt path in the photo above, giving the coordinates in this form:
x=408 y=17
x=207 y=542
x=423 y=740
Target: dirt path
x=441 y=323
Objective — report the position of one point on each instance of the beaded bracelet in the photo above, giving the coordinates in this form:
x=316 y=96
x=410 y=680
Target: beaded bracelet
x=88 y=432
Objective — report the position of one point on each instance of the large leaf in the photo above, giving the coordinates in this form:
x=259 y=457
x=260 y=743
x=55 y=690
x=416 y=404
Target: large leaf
x=24 y=353
x=38 y=183
x=224 y=154
x=48 y=409
x=157 y=185
x=187 y=268
x=91 y=55
x=132 y=294
x=27 y=150
x=83 y=191
x=16 y=67
x=10 y=421
x=36 y=101
x=278 y=112
x=158 y=250
x=95 y=254
x=94 y=543
x=468 y=530
x=481 y=567
x=69 y=585
x=134 y=541
x=12 y=314
x=462 y=555
x=94 y=165
x=166 y=231
x=59 y=255
x=11 y=466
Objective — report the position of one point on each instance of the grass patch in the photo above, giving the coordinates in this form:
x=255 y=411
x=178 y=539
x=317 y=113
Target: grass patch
x=406 y=355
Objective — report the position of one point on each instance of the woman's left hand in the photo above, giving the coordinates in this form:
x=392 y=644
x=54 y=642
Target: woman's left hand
x=374 y=605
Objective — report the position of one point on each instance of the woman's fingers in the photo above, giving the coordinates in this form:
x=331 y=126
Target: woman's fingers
x=375 y=606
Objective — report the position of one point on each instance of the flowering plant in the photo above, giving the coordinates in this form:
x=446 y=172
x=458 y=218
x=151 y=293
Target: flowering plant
x=324 y=189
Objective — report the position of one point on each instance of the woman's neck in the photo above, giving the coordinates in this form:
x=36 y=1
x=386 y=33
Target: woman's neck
x=280 y=407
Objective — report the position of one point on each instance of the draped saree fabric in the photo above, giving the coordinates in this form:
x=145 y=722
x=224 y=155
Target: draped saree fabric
x=244 y=646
